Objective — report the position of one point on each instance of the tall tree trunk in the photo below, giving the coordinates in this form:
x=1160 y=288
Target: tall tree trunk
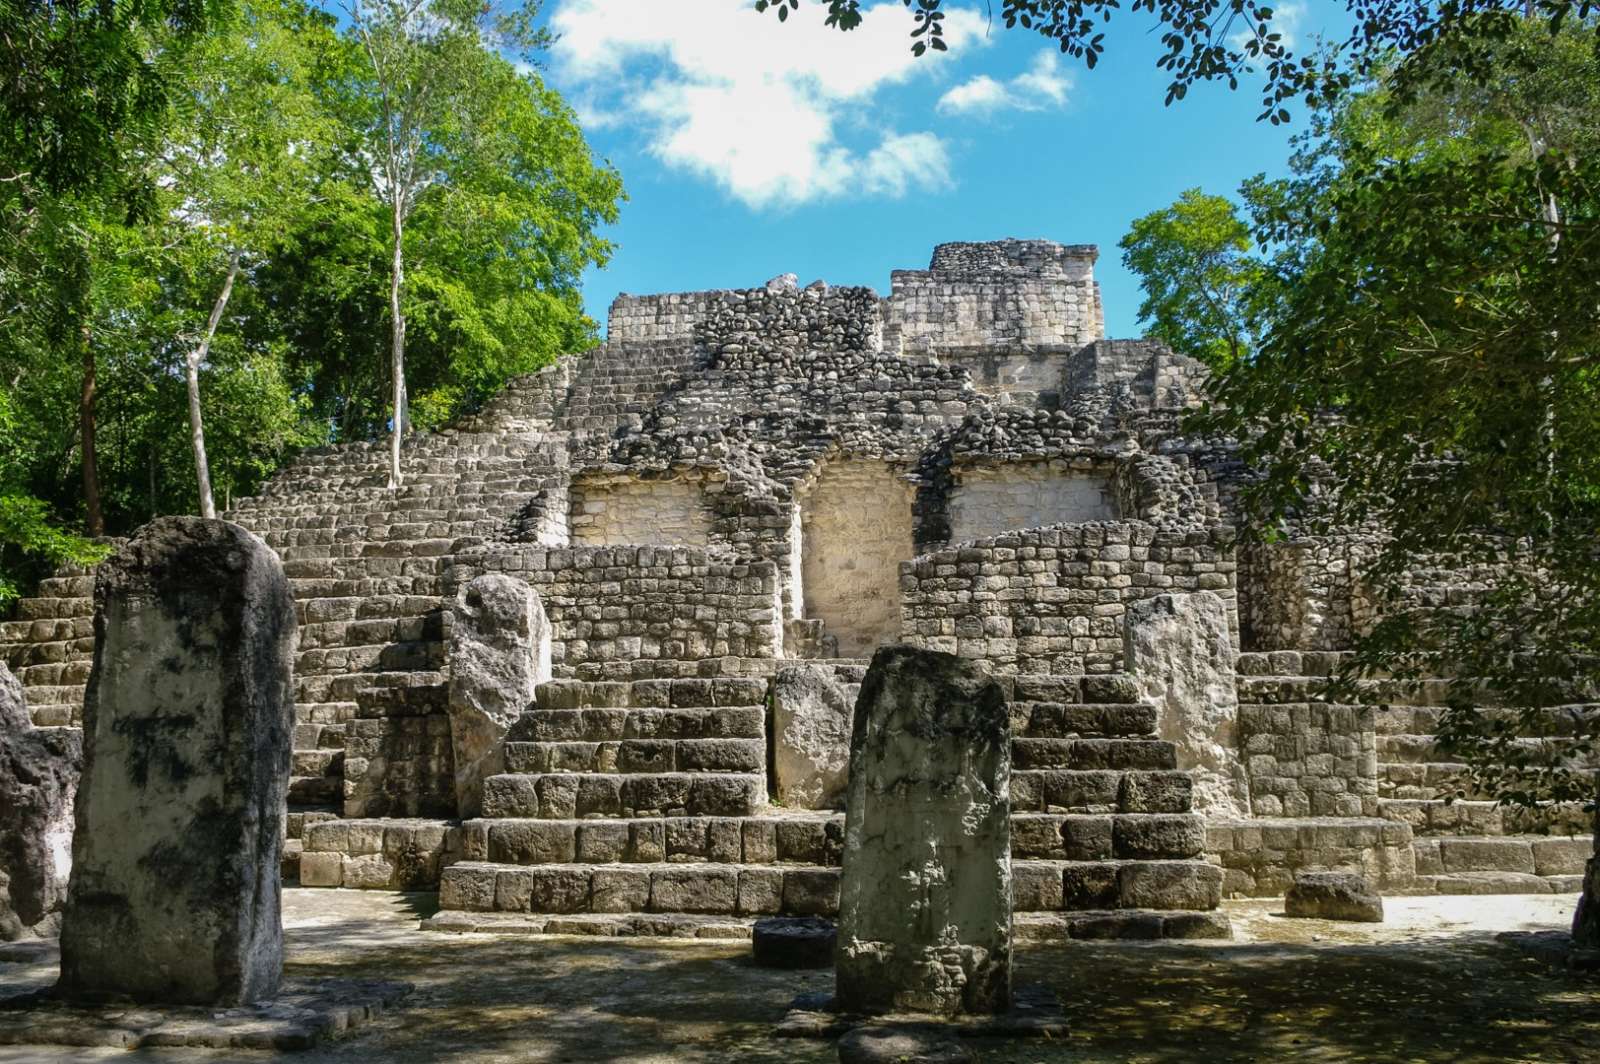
x=397 y=349
x=95 y=523
x=197 y=355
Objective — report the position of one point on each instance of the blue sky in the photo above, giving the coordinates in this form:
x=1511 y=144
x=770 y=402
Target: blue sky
x=750 y=149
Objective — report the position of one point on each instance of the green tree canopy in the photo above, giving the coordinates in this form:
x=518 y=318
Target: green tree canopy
x=1203 y=287
x=1433 y=351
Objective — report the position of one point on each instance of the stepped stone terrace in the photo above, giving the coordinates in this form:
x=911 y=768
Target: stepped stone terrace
x=739 y=481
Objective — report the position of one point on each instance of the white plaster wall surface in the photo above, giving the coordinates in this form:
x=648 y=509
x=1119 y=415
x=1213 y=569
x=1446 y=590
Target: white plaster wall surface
x=651 y=513
x=988 y=500
x=856 y=531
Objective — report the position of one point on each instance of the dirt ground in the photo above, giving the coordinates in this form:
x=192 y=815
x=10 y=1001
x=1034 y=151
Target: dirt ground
x=1430 y=984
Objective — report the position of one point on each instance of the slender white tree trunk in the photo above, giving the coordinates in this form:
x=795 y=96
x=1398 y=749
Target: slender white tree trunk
x=197 y=355
x=397 y=350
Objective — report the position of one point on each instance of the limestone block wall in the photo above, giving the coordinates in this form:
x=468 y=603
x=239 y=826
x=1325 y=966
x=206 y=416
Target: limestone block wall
x=1052 y=600
x=618 y=510
x=669 y=316
x=621 y=612
x=856 y=529
x=1012 y=293
x=1298 y=594
x=1310 y=759
x=989 y=499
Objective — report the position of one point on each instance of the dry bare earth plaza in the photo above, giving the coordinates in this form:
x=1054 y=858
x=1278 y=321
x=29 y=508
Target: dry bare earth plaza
x=582 y=701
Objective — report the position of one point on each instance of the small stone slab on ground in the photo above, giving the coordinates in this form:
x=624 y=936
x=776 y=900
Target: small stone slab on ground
x=1333 y=896
x=1554 y=948
x=902 y=1045
x=302 y=1013
x=1035 y=1013
x=794 y=942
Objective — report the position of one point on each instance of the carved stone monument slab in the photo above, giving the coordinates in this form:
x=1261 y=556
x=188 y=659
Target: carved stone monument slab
x=499 y=655
x=811 y=737
x=187 y=720
x=925 y=905
x=1181 y=654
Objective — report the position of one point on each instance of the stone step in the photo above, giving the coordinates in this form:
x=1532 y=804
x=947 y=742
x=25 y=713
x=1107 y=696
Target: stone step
x=1126 y=924
x=1495 y=883
x=1290 y=663
x=1047 y=886
x=1438 y=817
x=49 y=630
x=54 y=674
x=687 y=693
x=565 y=796
x=364 y=607
x=599 y=725
x=706 y=889
x=366 y=633
x=1398 y=749
x=787 y=838
x=49 y=609
x=361 y=587
x=298 y=821
x=1555 y=721
x=638 y=755
x=1093 y=754
x=327 y=717
x=321 y=663
x=802 y=890
x=55 y=694
x=1100 y=791
x=811 y=838
x=23 y=652
x=1280 y=689
x=66 y=587
x=56 y=716
x=1533 y=855
x=315 y=790
x=318 y=762
x=1084 y=837
x=1059 y=720
x=1435 y=779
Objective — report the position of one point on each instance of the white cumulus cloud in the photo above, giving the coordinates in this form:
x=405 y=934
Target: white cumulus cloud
x=774 y=113
x=1286 y=22
x=1043 y=85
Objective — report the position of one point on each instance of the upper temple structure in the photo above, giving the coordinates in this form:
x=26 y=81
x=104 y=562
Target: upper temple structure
x=738 y=483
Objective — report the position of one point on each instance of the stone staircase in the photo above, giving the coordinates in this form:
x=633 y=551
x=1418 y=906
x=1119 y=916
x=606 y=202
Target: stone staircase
x=640 y=808
x=49 y=646
x=1472 y=845
x=1458 y=845
x=622 y=381
x=364 y=564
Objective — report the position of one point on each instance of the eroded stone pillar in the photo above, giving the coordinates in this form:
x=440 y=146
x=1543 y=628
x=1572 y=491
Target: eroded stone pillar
x=187 y=721
x=1181 y=655
x=499 y=655
x=925 y=905
x=811 y=714
x=38 y=776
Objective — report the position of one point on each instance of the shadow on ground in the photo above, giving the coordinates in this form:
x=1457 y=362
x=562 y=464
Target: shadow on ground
x=483 y=999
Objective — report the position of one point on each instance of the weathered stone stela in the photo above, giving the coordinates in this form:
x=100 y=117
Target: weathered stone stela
x=174 y=895
x=925 y=903
x=499 y=655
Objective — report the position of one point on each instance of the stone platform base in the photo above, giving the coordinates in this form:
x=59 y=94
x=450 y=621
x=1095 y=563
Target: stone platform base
x=1035 y=1013
x=1126 y=924
x=302 y=1013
